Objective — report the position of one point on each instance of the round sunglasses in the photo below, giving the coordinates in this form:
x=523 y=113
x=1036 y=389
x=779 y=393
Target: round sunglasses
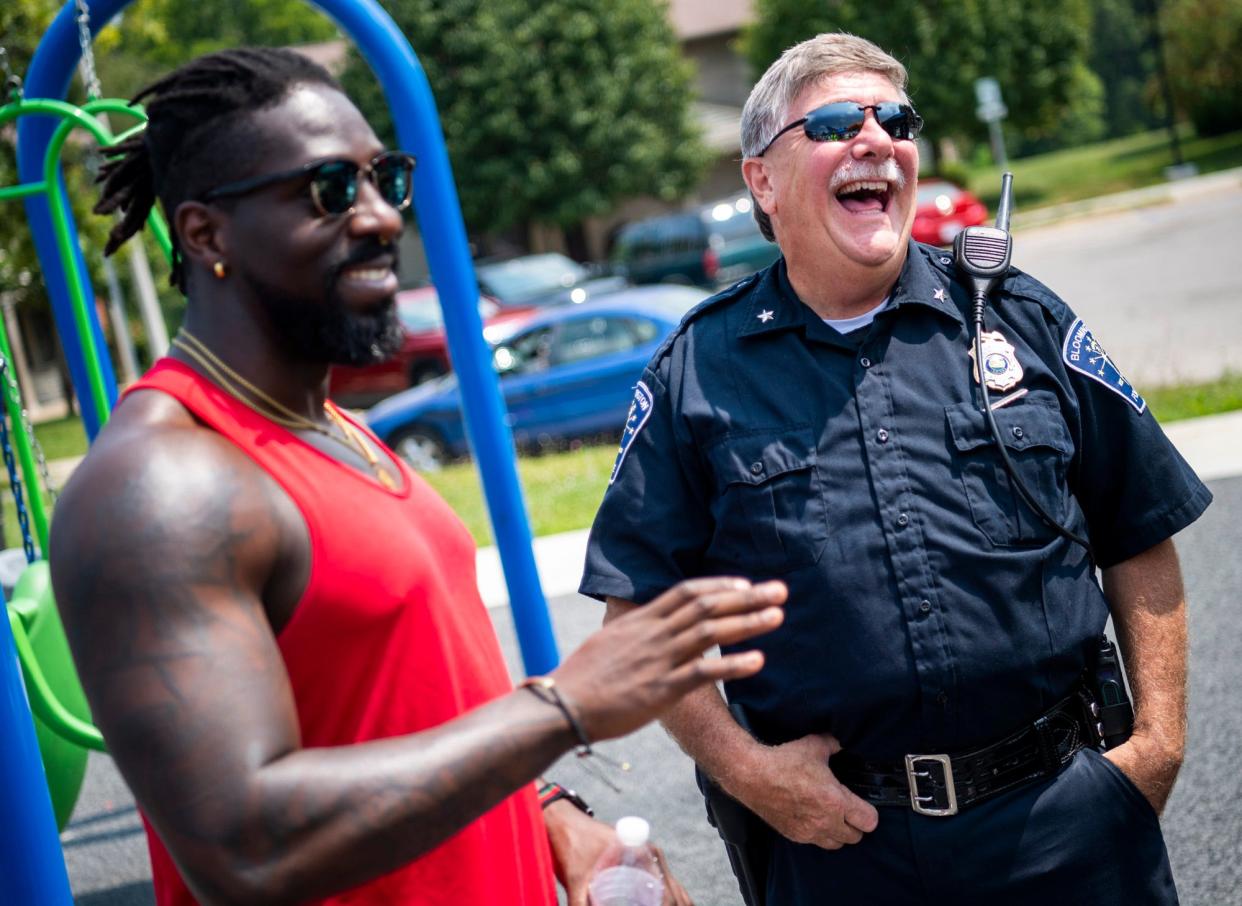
x=842 y=120
x=334 y=182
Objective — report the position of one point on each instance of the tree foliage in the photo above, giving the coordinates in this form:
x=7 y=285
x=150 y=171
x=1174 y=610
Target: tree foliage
x=1204 y=51
x=553 y=111
x=1037 y=51
x=22 y=24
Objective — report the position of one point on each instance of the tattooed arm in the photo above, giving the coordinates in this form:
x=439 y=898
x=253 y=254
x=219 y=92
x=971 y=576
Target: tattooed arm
x=173 y=556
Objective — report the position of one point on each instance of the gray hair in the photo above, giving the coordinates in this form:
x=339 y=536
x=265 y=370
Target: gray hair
x=797 y=69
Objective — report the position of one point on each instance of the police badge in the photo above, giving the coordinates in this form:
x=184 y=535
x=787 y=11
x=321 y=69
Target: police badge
x=1001 y=368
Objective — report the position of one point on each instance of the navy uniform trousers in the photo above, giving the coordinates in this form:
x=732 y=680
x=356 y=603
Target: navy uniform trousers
x=1085 y=836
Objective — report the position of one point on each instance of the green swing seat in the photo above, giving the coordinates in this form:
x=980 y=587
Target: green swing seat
x=62 y=716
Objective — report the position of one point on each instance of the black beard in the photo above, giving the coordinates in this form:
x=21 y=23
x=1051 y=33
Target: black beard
x=331 y=332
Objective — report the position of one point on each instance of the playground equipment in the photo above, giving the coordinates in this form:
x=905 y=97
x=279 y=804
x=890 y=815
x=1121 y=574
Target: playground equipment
x=31 y=868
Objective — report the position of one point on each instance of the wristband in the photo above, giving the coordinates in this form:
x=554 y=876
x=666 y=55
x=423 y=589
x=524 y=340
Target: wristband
x=552 y=792
x=544 y=689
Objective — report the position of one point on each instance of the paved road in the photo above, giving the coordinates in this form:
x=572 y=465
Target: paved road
x=1157 y=285
x=106 y=854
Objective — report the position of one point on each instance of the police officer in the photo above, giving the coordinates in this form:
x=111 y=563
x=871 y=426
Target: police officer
x=821 y=422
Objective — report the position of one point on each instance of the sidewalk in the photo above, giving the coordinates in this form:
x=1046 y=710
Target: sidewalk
x=1212 y=445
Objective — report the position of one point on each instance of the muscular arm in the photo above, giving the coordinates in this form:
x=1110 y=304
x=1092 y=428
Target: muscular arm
x=1148 y=605
x=163 y=553
x=790 y=786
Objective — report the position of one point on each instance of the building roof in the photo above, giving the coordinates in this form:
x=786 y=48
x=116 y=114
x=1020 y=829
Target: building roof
x=703 y=18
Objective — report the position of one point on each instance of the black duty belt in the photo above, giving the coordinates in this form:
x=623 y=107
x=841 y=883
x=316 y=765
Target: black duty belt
x=943 y=785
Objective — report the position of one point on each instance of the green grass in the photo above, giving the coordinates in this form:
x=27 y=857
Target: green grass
x=1170 y=404
x=562 y=490
x=1104 y=168
x=61 y=438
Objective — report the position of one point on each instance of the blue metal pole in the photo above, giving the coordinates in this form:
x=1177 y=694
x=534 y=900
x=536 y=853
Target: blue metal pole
x=51 y=70
x=32 y=869
x=444 y=236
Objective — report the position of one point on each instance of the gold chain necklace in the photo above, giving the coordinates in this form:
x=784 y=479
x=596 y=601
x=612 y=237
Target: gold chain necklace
x=274 y=410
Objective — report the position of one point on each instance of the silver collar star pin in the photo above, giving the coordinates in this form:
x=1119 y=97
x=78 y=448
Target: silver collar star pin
x=766 y=316
x=939 y=294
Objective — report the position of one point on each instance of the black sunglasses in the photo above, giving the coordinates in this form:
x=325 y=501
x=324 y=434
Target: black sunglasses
x=334 y=183
x=841 y=121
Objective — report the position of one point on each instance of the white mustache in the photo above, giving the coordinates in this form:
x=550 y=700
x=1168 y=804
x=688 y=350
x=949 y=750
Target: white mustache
x=868 y=171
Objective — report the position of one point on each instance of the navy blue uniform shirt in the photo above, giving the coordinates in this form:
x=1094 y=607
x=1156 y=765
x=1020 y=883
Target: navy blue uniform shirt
x=929 y=609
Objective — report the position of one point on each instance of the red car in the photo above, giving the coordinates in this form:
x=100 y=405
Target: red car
x=944 y=210
x=423 y=354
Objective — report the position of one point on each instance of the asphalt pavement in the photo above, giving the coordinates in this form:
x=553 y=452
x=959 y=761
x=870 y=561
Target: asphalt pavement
x=106 y=851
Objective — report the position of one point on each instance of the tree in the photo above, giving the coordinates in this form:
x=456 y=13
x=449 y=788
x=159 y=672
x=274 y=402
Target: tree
x=22 y=24
x=154 y=36
x=1036 y=50
x=553 y=111
x=1122 y=57
x=1203 y=44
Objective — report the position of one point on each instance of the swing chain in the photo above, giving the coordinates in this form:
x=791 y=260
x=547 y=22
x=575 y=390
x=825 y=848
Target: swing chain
x=90 y=79
x=12 y=80
x=15 y=482
x=40 y=460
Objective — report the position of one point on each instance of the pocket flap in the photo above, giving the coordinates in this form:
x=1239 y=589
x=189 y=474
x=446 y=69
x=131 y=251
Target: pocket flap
x=753 y=457
x=1032 y=422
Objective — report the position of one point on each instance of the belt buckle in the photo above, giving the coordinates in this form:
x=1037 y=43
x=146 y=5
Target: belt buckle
x=913 y=776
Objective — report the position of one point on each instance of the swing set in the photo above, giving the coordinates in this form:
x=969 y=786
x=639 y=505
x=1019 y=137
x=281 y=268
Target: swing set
x=45 y=729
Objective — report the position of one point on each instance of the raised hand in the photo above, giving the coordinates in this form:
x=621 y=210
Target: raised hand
x=638 y=665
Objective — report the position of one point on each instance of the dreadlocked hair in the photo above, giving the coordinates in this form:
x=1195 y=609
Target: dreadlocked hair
x=199 y=133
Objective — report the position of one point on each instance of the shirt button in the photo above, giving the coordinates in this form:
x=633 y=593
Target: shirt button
x=1017 y=431
x=903 y=520
x=882 y=435
x=756 y=468
x=865 y=362
x=925 y=606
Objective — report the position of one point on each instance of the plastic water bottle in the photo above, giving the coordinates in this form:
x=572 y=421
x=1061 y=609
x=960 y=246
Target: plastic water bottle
x=627 y=874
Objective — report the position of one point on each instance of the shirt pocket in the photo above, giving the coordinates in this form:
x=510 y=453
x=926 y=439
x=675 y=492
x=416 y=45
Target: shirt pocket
x=769 y=509
x=1037 y=439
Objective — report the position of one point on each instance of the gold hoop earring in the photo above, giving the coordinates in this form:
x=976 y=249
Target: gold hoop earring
x=219 y=270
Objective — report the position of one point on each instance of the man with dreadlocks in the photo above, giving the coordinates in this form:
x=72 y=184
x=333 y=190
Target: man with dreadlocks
x=275 y=621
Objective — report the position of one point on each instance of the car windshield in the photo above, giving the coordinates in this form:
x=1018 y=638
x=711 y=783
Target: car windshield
x=930 y=191
x=521 y=280
x=423 y=313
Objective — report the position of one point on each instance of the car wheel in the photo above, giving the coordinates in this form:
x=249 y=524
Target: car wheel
x=424 y=371
x=421 y=448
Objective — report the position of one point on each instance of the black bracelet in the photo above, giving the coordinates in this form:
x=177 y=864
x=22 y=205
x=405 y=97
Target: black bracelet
x=544 y=689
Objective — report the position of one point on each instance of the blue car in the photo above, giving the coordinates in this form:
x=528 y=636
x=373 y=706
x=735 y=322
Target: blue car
x=565 y=373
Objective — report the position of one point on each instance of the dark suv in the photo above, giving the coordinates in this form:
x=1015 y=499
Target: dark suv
x=712 y=245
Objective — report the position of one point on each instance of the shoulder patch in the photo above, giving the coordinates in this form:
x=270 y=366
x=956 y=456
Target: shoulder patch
x=1084 y=354
x=640 y=411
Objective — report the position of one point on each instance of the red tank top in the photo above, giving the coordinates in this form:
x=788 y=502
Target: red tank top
x=389 y=638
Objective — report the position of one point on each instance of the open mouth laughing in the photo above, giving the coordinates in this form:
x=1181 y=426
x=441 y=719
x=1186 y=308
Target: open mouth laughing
x=867 y=189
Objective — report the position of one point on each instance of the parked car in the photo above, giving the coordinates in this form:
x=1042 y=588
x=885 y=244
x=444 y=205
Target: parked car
x=548 y=278
x=424 y=351
x=712 y=246
x=944 y=210
x=567 y=372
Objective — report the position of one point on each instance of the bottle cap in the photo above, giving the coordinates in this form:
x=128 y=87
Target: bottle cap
x=633 y=831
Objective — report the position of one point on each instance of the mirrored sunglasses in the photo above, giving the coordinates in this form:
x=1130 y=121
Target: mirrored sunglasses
x=843 y=120
x=334 y=182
